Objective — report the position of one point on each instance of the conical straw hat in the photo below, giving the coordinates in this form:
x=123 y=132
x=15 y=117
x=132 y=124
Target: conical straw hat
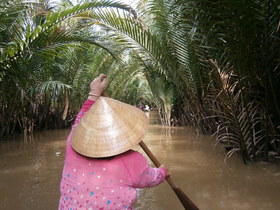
x=109 y=127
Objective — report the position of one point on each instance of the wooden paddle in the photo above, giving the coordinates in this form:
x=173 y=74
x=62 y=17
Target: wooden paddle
x=186 y=202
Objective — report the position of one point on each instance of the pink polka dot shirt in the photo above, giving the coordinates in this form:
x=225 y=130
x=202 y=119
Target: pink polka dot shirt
x=105 y=183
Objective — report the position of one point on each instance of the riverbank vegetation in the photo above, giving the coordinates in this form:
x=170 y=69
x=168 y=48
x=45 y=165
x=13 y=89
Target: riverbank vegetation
x=209 y=64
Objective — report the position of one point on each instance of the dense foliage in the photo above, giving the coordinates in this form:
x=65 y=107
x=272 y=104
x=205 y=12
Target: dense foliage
x=210 y=64
x=45 y=58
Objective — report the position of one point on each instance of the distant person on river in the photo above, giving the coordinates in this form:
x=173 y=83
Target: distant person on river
x=100 y=170
x=147 y=108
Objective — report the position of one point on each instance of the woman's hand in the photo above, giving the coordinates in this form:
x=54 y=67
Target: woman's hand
x=167 y=171
x=97 y=87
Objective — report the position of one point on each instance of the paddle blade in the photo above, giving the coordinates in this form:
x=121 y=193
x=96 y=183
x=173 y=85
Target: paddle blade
x=186 y=202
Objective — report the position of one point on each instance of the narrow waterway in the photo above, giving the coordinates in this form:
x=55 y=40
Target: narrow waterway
x=30 y=173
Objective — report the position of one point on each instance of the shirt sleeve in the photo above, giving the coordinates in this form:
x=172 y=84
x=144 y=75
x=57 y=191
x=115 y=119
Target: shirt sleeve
x=86 y=106
x=142 y=175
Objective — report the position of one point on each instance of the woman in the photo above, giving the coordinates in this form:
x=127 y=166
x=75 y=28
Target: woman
x=100 y=170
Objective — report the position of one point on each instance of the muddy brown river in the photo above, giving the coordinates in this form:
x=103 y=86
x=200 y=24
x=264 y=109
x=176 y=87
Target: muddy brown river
x=30 y=171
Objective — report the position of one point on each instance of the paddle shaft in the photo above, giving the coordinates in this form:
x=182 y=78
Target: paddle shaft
x=186 y=202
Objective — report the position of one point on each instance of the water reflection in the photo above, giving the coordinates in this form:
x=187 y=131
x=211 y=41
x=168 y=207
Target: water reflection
x=30 y=173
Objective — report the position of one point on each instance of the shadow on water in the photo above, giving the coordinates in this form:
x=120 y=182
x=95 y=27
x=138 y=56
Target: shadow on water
x=30 y=173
